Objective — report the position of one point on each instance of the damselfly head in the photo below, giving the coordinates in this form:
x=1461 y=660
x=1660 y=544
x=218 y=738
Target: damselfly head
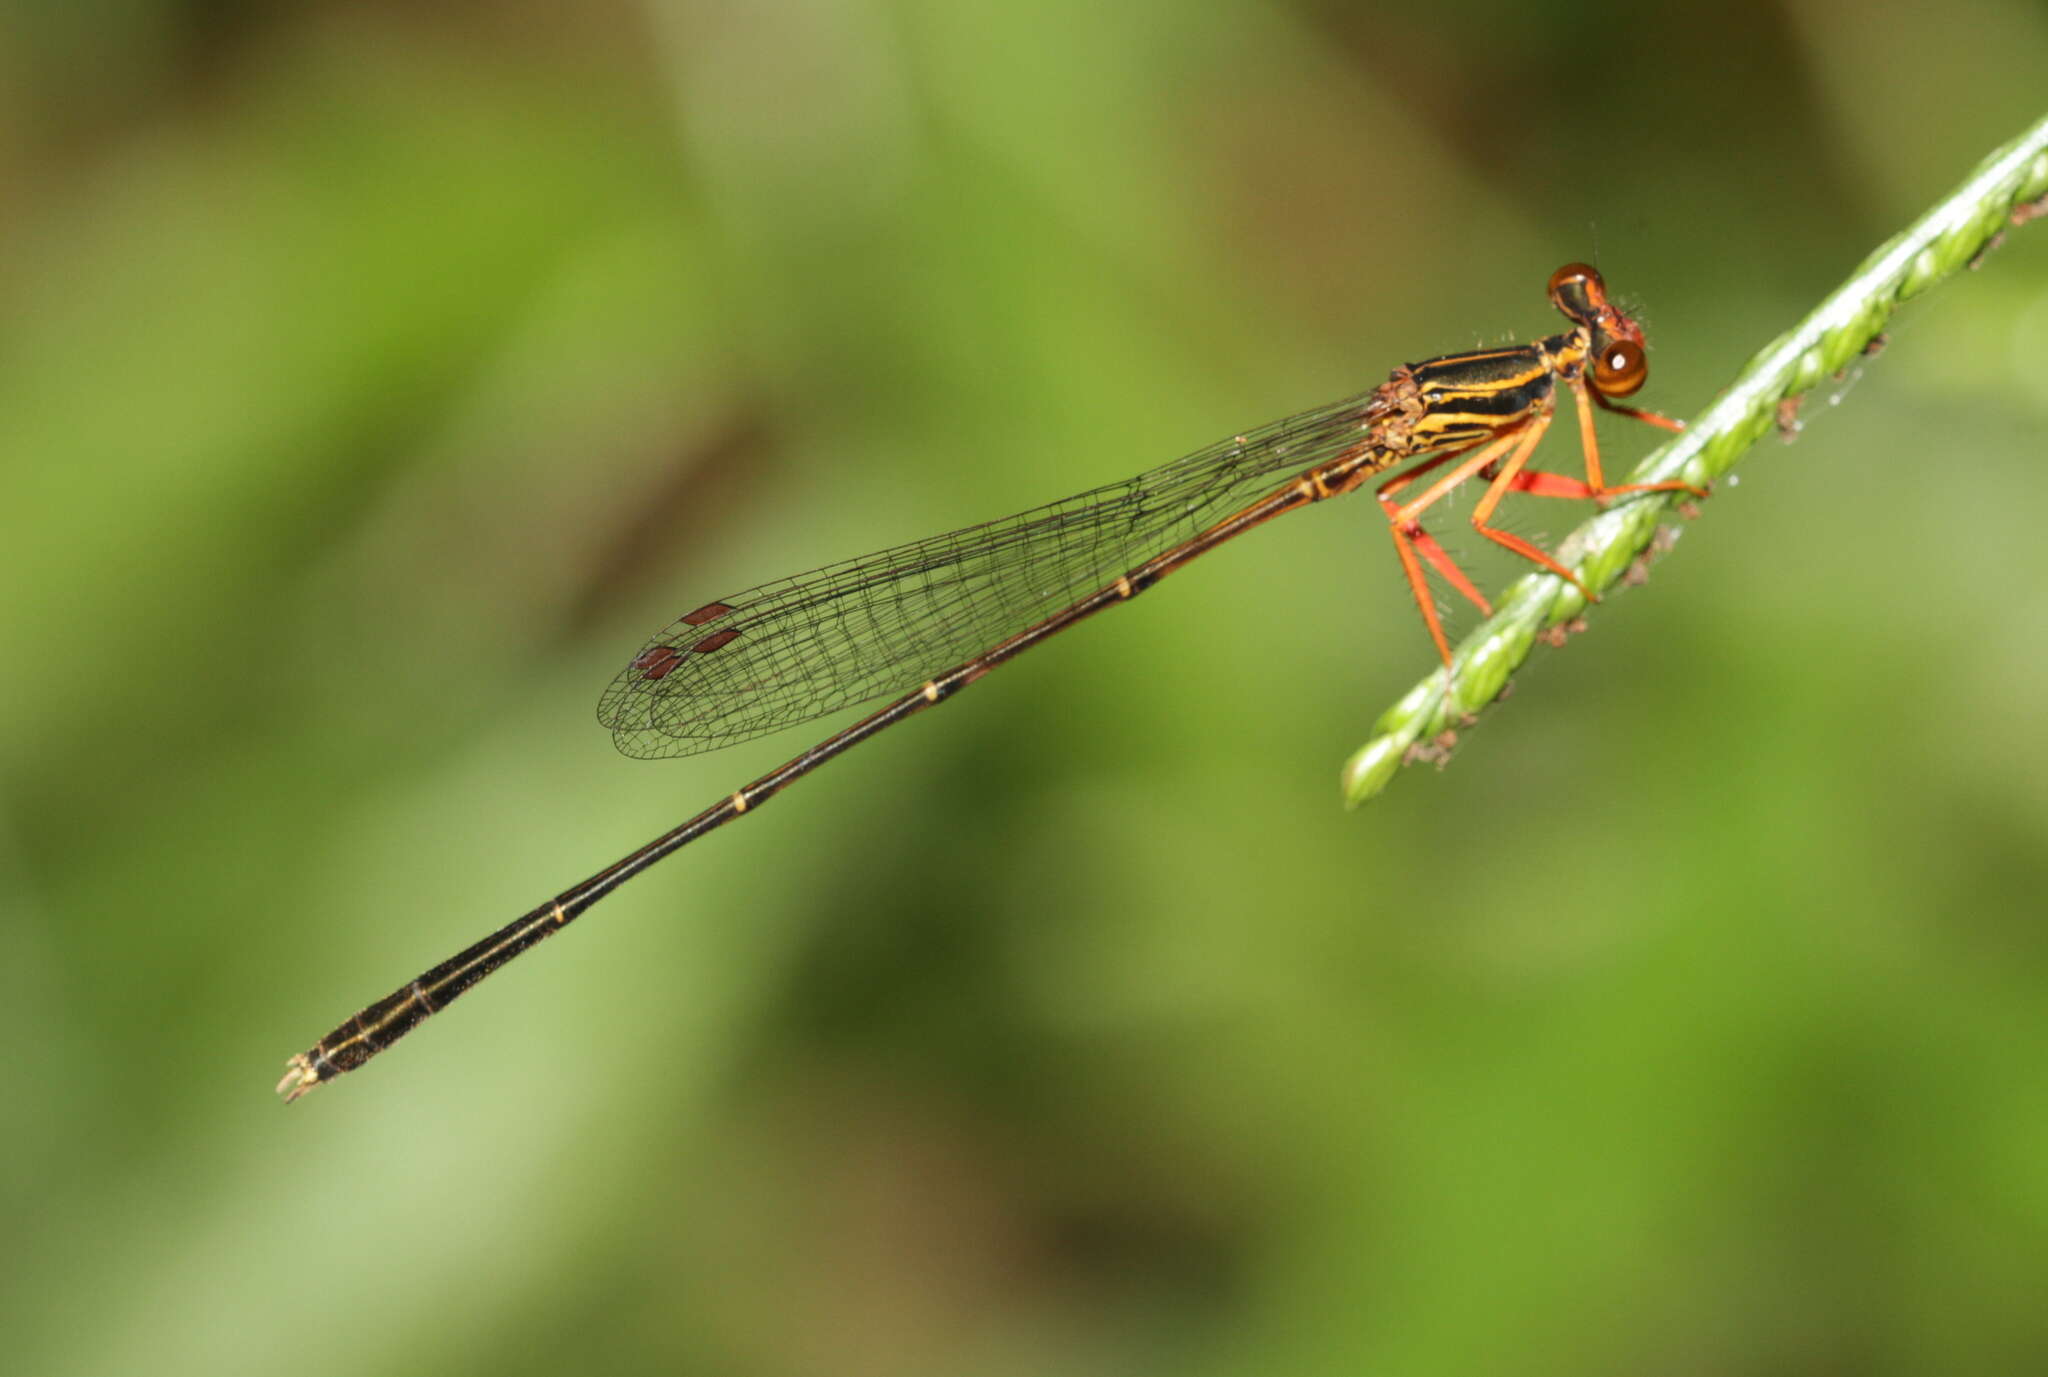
x=1616 y=341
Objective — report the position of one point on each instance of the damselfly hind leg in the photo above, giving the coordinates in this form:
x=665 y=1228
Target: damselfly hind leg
x=1410 y=540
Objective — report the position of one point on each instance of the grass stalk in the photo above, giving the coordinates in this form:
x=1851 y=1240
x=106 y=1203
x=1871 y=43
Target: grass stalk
x=2010 y=187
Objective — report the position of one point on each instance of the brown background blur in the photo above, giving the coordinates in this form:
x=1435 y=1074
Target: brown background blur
x=373 y=377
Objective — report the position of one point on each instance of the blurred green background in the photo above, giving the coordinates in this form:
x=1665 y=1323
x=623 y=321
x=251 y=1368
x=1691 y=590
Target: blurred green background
x=373 y=377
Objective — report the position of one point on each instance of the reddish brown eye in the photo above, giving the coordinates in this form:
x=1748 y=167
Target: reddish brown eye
x=1578 y=292
x=1620 y=368
x=1575 y=274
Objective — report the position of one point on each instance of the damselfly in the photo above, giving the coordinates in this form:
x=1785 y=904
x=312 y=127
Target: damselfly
x=934 y=616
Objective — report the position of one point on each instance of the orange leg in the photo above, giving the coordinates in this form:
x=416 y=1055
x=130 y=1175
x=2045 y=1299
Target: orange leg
x=1597 y=488
x=1636 y=413
x=1410 y=539
x=1503 y=483
x=1422 y=542
x=1540 y=483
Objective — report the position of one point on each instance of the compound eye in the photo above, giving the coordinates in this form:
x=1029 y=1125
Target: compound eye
x=1579 y=275
x=1619 y=368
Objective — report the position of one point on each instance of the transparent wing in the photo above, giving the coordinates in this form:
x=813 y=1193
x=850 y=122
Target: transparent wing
x=804 y=646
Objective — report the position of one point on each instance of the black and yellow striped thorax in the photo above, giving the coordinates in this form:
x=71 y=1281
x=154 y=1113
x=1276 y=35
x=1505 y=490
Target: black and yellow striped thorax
x=1460 y=398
